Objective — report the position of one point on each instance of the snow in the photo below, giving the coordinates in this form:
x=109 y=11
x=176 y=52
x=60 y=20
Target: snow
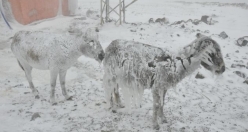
x=211 y=104
x=73 y=6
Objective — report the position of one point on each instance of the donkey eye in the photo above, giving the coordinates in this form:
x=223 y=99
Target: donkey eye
x=91 y=43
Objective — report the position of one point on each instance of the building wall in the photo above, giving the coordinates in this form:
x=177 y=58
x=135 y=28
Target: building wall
x=27 y=11
x=65 y=8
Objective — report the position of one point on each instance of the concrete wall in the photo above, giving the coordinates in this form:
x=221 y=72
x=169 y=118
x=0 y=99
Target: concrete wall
x=27 y=11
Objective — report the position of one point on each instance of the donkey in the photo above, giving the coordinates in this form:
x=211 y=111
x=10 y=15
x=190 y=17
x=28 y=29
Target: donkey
x=55 y=52
x=135 y=66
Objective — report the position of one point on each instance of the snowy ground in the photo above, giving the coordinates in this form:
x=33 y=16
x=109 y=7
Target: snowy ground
x=212 y=104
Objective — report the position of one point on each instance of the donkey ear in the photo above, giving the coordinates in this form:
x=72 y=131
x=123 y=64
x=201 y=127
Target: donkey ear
x=91 y=33
x=198 y=35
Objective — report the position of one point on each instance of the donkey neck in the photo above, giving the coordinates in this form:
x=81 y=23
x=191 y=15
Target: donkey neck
x=80 y=43
x=174 y=70
x=185 y=67
x=71 y=48
x=185 y=64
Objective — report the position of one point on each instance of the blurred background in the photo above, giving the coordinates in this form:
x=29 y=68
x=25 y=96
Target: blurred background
x=28 y=11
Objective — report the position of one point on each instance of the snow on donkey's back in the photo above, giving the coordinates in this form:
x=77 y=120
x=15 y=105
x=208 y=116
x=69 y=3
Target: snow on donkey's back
x=55 y=52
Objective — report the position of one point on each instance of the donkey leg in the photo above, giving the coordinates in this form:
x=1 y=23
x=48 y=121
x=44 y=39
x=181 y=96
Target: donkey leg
x=108 y=90
x=155 y=109
x=114 y=100
x=140 y=93
x=62 y=75
x=117 y=97
x=161 y=111
x=28 y=69
x=127 y=96
x=53 y=75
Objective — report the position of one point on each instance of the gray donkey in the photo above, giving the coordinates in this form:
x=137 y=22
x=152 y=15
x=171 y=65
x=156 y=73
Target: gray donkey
x=56 y=52
x=135 y=66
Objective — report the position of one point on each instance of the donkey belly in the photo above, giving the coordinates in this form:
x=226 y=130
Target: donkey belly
x=31 y=58
x=40 y=65
x=134 y=77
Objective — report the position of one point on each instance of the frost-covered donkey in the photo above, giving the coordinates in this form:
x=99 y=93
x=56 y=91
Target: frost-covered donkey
x=134 y=66
x=56 y=52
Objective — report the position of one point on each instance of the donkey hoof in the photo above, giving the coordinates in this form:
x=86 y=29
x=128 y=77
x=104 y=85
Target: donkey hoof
x=114 y=111
x=37 y=97
x=55 y=103
x=164 y=121
x=156 y=126
x=69 y=98
x=121 y=106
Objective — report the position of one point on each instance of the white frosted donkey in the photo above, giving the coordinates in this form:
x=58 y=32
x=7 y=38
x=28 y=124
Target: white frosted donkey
x=56 y=52
x=134 y=66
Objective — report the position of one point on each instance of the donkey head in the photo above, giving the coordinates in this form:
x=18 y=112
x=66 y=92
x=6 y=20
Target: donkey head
x=209 y=52
x=92 y=47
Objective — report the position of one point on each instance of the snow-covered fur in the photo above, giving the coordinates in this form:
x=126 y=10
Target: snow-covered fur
x=134 y=66
x=56 y=52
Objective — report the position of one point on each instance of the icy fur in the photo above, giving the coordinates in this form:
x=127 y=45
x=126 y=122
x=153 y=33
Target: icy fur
x=134 y=66
x=56 y=52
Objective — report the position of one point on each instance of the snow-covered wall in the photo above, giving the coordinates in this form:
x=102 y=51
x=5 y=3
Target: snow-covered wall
x=28 y=11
